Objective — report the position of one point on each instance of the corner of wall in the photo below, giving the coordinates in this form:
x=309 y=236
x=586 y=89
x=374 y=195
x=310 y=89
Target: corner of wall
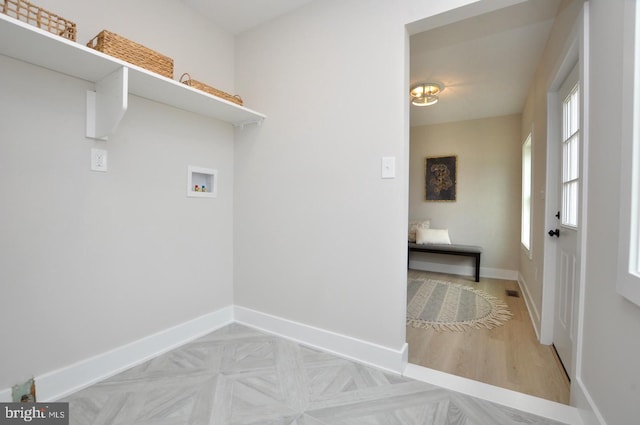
x=587 y=408
x=389 y=359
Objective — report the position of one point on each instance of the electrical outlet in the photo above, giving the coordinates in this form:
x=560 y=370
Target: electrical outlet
x=99 y=160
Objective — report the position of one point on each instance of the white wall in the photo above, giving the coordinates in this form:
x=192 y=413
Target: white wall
x=320 y=238
x=608 y=379
x=317 y=236
x=611 y=346
x=91 y=261
x=487 y=207
x=534 y=120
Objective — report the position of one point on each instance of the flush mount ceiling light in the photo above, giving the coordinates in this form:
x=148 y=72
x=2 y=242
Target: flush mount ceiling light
x=425 y=94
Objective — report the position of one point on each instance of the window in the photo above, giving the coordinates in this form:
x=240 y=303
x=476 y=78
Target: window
x=570 y=157
x=525 y=227
x=628 y=282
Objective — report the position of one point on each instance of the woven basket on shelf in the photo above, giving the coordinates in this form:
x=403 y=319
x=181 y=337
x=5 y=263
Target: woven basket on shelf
x=129 y=51
x=205 y=88
x=38 y=17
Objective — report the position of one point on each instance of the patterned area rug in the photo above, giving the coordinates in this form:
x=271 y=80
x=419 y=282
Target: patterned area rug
x=448 y=306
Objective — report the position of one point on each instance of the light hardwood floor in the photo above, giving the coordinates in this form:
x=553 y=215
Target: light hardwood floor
x=508 y=356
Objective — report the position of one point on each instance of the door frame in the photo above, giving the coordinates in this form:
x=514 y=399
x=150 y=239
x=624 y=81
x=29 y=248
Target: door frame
x=576 y=51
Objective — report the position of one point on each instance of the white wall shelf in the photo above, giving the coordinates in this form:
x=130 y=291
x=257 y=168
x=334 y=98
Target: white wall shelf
x=29 y=44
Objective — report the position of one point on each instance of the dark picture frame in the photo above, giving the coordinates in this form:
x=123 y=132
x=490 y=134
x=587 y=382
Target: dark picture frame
x=441 y=178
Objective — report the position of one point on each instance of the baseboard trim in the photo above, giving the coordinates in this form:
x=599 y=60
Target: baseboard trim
x=342 y=345
x=512 y=399
x=487 y=272
x=59 y=383
x=581 y=398
x=534 y=315
x=498 y=273
x=62 y=382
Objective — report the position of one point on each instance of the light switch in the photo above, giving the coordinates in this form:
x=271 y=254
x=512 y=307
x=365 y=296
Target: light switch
x=389 y=167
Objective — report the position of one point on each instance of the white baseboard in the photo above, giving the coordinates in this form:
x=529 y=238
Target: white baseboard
x=59 y=383
x=498 y=273
x=62 y=382
x=531 y=306
x=463 y=270
x=588 y=409
x=341 y=345
x=526 y=403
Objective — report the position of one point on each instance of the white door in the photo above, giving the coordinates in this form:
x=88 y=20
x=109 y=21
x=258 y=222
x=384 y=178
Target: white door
x=566 y=231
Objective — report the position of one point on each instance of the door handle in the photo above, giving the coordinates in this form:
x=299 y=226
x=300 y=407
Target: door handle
x=555 y=233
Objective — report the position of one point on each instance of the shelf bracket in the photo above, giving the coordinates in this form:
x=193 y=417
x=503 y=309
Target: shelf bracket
x=107 y=105
x=242 y=124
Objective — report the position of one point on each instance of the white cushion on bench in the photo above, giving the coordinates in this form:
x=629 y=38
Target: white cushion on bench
x=439 y=236
x=414 y=225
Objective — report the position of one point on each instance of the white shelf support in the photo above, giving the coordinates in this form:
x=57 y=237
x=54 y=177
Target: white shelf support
x=107 y=105
x=242 y=124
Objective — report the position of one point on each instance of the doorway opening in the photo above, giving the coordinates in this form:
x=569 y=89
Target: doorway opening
x=472 y=58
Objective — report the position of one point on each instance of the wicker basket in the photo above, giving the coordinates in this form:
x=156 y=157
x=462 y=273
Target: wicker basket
x=38 y=17
x=129 y=51
x=205 y=88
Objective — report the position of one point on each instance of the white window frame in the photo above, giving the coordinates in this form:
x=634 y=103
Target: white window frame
x=628 y=282
x=527 y=198
x=571 y=132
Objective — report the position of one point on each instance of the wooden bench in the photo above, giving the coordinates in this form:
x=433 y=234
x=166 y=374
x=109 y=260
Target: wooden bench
x=453 y=249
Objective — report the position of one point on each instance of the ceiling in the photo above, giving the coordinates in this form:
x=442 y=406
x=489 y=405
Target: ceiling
x=237 y=16
x=486 y=63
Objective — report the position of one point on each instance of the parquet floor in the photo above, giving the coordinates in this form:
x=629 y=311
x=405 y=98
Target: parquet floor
x=508 y=356
x=238 y=375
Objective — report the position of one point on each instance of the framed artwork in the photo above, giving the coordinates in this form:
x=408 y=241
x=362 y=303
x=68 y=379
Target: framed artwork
x=440 y=178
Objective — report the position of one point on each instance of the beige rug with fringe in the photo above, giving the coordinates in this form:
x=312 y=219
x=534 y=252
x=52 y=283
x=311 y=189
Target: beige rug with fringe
x=446 y=306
